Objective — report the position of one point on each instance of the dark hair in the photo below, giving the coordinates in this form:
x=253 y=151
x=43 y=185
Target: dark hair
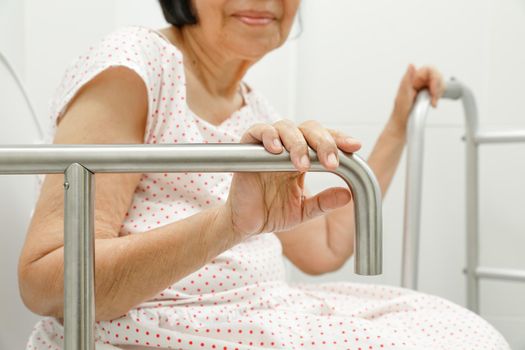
x=178 y=12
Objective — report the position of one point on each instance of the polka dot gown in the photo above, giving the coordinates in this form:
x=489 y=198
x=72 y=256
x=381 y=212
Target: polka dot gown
x=240 y=300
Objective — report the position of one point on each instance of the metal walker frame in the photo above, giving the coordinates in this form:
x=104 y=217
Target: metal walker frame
x=80 y=162
x=414 y=178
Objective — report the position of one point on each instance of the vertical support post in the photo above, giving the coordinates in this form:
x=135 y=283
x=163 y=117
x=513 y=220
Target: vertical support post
x=79 y=275
x=414 y=179
x=413 y=190
x=472 y=183
x=472 y=199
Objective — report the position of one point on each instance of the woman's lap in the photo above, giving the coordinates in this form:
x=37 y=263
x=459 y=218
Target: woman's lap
x=304 y=316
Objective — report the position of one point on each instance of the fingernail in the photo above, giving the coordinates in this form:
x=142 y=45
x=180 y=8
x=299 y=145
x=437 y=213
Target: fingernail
x=332 y=160
x=277 y=143
x=305 y=162
x=351 y=140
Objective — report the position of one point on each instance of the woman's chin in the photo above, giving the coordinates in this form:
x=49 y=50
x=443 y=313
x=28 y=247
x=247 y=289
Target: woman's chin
x=253 y=55
x=253 y=49
x=254 y=41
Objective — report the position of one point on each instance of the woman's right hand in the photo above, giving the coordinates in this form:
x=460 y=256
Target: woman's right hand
x=274 y=201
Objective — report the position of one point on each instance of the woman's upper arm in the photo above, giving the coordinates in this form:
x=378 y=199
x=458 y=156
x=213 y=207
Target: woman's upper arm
x=110 y=109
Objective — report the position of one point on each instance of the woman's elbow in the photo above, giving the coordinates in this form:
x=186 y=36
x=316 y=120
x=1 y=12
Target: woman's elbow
x=324 y=264
x=39 y=291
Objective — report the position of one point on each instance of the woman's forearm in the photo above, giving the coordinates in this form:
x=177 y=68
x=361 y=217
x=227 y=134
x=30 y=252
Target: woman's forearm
x=136 y=267
x=386 y=154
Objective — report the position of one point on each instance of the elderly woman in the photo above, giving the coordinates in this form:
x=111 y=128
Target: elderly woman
x=194 y=261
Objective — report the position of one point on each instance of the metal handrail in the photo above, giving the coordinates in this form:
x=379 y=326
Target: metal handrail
x=79 y=162
x=413 y=184
x=412 y=211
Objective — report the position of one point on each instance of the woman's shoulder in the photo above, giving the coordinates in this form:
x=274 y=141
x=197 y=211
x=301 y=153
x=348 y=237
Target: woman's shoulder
x=141 y=49
x=136 y=42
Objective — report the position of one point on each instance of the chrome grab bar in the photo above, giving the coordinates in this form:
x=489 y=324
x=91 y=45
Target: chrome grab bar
x=413 y=183
x=413 y=186
x=79 y=162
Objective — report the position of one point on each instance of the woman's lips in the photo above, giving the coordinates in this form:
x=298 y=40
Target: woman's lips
x=255 y=18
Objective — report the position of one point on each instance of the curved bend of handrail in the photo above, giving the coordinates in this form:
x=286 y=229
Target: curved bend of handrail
x=46 y=159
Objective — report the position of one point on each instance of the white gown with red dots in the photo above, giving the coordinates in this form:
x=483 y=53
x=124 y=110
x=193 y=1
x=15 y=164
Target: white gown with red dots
x=241 y=299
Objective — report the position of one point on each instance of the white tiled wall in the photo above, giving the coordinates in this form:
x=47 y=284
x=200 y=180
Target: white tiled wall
x=343 y=70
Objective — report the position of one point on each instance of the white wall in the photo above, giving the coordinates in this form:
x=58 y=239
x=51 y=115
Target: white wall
x=351 y=57
x=343 y=70
x=17 y=192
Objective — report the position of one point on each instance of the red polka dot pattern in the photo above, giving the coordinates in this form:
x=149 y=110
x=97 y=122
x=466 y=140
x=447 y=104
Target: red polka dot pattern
x=241 y=299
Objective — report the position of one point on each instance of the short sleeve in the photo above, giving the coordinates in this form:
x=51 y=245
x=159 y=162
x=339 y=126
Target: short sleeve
x=136 y=48
x=131 y=47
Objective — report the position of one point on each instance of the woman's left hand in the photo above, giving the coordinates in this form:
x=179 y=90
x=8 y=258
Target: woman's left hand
x=413 y=81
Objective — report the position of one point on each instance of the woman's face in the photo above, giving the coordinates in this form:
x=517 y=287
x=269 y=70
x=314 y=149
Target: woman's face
x=245 y=29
